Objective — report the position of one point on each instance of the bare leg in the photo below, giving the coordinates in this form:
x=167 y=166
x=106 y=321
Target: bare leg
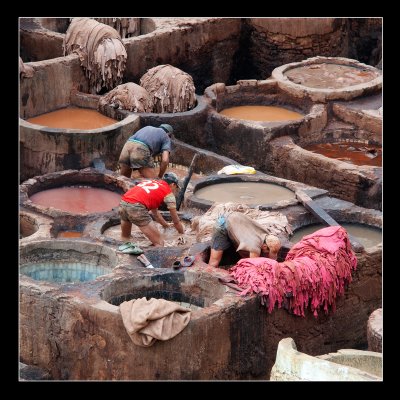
x=153 y=234
x=215 y=258
x=126 y=228
x=125 y=170
x=147 y=172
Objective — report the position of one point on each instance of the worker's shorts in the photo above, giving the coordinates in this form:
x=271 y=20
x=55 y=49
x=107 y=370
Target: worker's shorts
x=136 y=155
x=136 y=213
x=220 y=239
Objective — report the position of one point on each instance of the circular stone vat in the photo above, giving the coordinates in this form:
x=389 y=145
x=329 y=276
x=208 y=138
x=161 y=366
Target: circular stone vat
x=261 y=113
x=82 y=193
x=73 y=118
x=344 y=365
x=360 y=184
x=253 y=191
x=77 y=199
x=368 y=236
x=328 y=78
x=353 y=152
x=246 y=139
x=46 y=149
x=63 y=261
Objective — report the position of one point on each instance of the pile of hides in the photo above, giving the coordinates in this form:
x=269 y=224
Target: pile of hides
x=126 y=27
x=315 y=271
x=275 y=222
x=100 y=50
x=25 y=71
x=172 y=89
x=129 y=96
x=147 y=321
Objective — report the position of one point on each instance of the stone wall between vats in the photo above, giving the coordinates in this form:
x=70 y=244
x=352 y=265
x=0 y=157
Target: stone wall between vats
x=37 y=45
x=204 y=49
x=50 y=86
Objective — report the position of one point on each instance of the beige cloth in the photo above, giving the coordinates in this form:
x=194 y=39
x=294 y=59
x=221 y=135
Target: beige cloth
x=101 y=52
x=274 y=222
x=172 y=89
x=130 y=97
x=156 y=319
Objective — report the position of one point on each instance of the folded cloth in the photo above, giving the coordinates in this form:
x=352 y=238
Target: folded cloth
x=156 y=319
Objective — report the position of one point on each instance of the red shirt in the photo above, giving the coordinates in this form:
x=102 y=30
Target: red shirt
x=150 y=193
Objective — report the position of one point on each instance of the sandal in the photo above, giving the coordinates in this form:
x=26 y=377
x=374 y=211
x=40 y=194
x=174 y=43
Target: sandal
x=188 y=261
x=132 y=249
x=126 y=245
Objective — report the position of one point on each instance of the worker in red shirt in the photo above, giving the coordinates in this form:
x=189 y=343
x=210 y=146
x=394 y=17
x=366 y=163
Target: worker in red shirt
x=147 y=196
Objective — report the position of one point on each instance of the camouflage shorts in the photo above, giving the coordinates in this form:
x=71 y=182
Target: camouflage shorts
x=136 y=213
x=136 y=155
x=220 y=239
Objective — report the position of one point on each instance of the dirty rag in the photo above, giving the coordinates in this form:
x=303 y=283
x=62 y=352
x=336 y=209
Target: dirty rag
x=147 y=321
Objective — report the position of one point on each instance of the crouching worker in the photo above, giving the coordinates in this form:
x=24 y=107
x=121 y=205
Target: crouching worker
x=147 y=196
x=248 y=237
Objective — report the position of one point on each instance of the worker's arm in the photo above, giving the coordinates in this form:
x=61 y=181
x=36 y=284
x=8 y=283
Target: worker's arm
x=159 y=218
x=254 y=254
x=164 y=163
x=176 y=221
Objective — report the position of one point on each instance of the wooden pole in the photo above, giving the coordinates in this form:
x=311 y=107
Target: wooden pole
x=179 y=197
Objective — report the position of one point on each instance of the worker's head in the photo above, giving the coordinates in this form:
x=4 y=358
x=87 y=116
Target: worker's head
x=172 y=179
x=167 y=128
x=271 y=246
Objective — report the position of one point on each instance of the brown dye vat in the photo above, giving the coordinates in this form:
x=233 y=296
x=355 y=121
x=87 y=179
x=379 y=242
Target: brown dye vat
x=245 y=192
x=77 y=200
x=69 y=234
x=352 y=152
x=368 y=236
x=73 y=118
x=329 y=76
x=171 y=236
x=261 y=113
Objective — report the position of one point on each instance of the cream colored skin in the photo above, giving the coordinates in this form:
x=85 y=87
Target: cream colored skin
x=216 y=255
x=151 y=231
x=146 y=172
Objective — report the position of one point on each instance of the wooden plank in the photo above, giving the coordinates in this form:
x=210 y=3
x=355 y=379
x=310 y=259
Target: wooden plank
x=315 y=209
